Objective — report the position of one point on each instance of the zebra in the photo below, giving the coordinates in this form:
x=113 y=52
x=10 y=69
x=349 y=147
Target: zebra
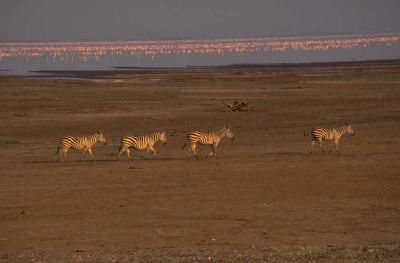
x=212 y=138
x=320 y=134
x=141 y=142
x=82 y=144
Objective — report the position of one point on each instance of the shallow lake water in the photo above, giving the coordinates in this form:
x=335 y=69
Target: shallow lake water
x=22 y=58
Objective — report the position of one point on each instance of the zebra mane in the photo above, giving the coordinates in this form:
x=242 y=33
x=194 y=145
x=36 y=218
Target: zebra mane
x=157 y=134
x=93 y=138
x=342 y=128
x=94 y=135
x=222 y=130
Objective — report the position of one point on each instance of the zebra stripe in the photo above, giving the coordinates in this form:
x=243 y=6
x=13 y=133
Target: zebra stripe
x=81 y=144
x=328 y=134
x=212 y=138
x=141 y=142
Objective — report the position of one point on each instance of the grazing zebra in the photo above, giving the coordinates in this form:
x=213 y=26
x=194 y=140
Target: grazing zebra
x=82 y=144
x=320 y=134
x=140 y=143
x=212 y=138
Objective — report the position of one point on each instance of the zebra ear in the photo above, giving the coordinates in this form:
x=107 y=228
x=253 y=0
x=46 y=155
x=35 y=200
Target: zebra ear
x=347 y=124
x=99 y=132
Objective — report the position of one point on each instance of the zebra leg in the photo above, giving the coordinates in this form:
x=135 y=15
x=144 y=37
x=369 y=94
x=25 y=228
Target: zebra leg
x=64 y=153
x=154 y=151
x=91 y=154
x=128 y=154
x=119 y=154
x=337 y=146
x=147 y=153
x=312 y=145
x=193 y=148
x=83 y=151
x=121 y=151
x=59 y=153
x=214 y=150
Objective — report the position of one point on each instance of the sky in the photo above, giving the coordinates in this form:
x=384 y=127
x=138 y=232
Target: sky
x=122 y=20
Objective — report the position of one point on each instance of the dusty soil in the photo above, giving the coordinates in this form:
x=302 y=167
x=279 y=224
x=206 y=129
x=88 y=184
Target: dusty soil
x=264 y=199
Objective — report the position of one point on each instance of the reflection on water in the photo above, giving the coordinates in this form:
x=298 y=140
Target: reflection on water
x=196 y=52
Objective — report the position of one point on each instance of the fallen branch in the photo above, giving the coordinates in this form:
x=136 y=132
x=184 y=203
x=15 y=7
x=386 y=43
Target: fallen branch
x=236 y=106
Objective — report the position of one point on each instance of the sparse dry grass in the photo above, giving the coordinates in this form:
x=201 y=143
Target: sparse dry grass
x=6 y=140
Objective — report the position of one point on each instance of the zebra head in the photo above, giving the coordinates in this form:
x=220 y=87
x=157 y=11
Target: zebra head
x=349 y=129
x=226 y=132
x=101 y=138
x=163 y=137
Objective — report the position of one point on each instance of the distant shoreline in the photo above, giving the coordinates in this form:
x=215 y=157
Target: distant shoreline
x=90 y=74
x=272 y=65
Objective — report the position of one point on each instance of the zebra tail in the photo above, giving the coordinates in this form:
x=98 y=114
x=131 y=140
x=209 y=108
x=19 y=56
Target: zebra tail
x=119 y=150
x=58 y=150
x=120 y=144
x=184 y=146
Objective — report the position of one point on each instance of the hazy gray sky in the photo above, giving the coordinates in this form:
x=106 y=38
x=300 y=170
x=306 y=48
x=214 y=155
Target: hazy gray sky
x=98 y=20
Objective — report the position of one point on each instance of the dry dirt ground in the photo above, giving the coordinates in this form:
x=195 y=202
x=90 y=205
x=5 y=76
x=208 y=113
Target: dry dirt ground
x=264 y=199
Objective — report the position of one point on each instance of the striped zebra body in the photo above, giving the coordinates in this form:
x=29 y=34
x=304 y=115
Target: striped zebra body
x=81 y=144
x=141 y=142
x=212 y=138
x=328 y=134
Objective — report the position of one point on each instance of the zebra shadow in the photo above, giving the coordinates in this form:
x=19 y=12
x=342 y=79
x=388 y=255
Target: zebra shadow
x=110 y=160
x=145 y=159
x=67 y=161
x=42 y=161
x=316 y=154
x=286 y=153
